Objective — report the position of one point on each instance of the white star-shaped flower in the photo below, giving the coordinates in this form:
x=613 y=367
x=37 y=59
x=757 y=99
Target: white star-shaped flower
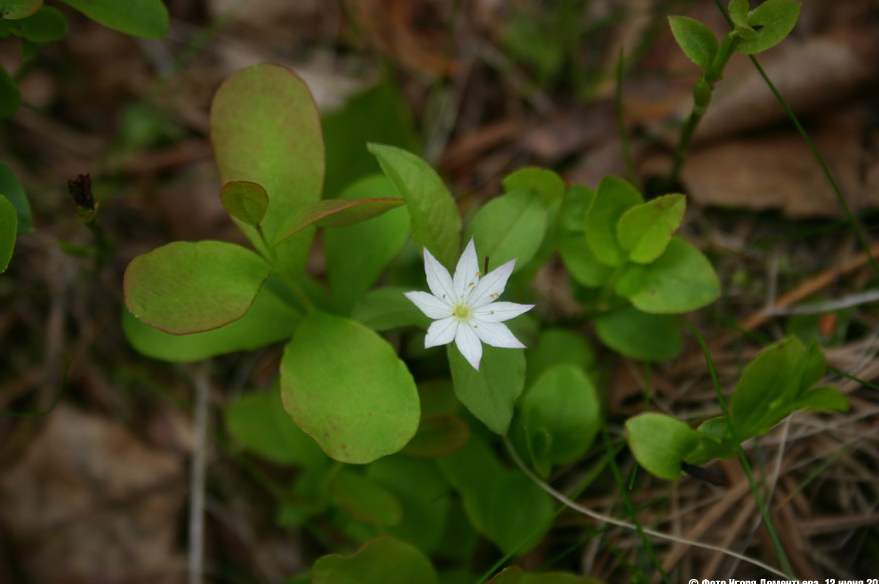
x=464 y=309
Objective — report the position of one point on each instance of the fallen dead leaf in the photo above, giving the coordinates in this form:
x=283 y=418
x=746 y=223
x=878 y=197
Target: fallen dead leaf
x=89 y=502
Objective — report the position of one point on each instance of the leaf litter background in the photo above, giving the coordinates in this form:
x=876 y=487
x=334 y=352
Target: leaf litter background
x=96 y=490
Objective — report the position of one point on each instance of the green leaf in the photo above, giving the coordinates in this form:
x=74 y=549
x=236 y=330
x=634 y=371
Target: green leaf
x=143 y=18
x=738 y=12
x=357 y=255
x=660 y=443
x=438 y=435
x=435 y=221
x=345 y=386
x=541 y=181
x=773 y=21
x=187 y=287
x=636 y=334
x=827 y=399
x=270 y=319
x=386 y=308
x=17 y=9
x=645 y=230
x=259 y=423
x=365 y=500
x=337 y=213
x=10 y=96
x=554 y=347
x=520 y=514
x=265 y=129
x=582 y=264
x=424 y=495
x=563 y=405
x=695 y=39
x=510 y=227
x=8 y=230
x=474 y=471
x=245 y=201
x=509 y=575
x=380 y=115
x=490 y=393
x=681 y=279
x=383 y=560
x=12 y=190
x=46 y=25
x=613 y=198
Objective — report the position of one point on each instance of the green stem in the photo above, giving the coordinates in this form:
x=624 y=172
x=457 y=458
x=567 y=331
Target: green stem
x=271 y=256
x=702 y=94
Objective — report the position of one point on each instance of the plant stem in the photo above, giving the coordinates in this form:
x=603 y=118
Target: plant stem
x=272 y=257
x=702 y=94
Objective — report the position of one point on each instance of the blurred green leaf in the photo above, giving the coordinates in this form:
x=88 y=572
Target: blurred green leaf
x=17 y=9
x=556 y=346
x=143 y=18
x=46 y=25
x=378 y=115
x=636 y=334
x=474 y=471
x=541 y=181
x=365 y=499
x=772 y=21
x=8 y=230
x=11 y=188
x=645 y=230
x=386 y=308
x=438 y=435
x=520 y=513
x=10 y=96
x=660 y=443
x=383 y=560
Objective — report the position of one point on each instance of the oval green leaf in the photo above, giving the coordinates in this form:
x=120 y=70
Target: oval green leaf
x=681 y=279
x=645 y=230
x=541 y=181
x=520 y=513
x=772 y=21
x=245 y=201
x=510 y=227
x=8 y=231
x=435 y=221
x=46 y=25
x=660 y=443
x=265 y=129
x=344 y=385
x=383 y=560
x=189 y=287
x=636 y=334
x=695 y=39
x=270 y=319
x=365 y=500
x=490 y=393
x=613 y=198
x=357 y=255
x=143 y=18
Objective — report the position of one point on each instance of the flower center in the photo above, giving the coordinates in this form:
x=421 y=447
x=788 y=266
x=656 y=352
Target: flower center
x=462 y=312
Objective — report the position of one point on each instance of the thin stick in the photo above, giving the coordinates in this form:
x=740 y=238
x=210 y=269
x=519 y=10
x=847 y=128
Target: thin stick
x=620 y=523
x=197 y=477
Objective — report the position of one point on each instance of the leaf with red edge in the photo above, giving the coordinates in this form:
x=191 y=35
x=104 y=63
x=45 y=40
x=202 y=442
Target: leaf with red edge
x=188 y=287
x=337 y=213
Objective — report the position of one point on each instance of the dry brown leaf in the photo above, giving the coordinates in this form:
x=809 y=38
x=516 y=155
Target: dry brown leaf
x=89 y=502
x=777 y=171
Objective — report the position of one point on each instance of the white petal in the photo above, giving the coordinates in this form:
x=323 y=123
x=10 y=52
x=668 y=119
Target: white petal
x=500 y=311
x=466 y=272
x=496 y=335
x=438 y=279
x=469 y=345
x=492 y=285
x=430 y=305
x=441 y=332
